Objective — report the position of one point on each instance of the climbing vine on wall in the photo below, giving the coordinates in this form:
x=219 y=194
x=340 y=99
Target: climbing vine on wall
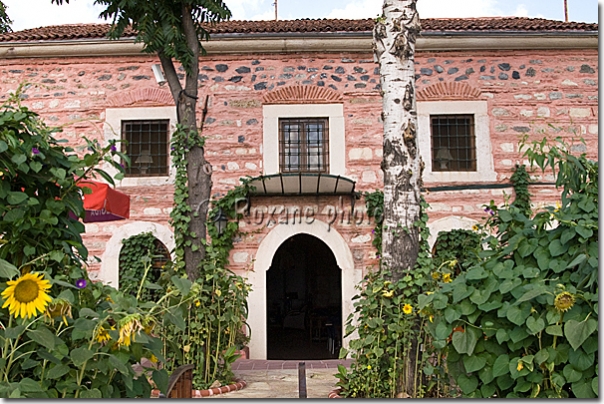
x=215 y=326
x=521 y=180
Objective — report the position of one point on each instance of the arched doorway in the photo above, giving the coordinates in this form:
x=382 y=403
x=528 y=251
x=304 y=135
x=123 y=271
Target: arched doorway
x=304 y=301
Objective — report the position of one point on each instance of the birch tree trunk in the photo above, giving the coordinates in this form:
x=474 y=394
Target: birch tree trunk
x=394 y=41
x=394 y=46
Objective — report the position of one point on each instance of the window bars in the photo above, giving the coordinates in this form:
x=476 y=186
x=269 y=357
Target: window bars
x=147 y=147
x=304 y=145
x=453 y=143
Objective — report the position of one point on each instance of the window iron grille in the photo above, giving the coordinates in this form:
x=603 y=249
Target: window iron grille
x=147 y=147
x=453 y=143
x=304 y=145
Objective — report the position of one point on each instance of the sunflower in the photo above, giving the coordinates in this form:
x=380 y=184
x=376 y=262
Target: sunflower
x=564 y=301
x=129 y=327
x=388 y=293
x=407 y=308
x=58 y=308
x=26 y=295
x=102 y=335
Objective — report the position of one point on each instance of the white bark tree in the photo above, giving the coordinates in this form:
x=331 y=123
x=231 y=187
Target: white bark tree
x=394 y=46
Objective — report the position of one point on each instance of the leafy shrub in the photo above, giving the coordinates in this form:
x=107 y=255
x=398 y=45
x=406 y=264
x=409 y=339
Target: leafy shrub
x=523 y=321
x=73 y=337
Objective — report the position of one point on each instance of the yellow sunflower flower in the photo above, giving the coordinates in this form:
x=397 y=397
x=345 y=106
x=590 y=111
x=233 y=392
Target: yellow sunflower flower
x=564 y=301
x=129 y=327
x=446 y=278
x=407 y=308
x=102 y=334
x=27 y=295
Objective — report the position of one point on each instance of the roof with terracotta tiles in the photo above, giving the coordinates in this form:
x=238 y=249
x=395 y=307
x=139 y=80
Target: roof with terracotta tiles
x=429 y=25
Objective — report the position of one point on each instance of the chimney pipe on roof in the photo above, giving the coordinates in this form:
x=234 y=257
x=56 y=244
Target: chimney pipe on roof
x=565 y=10
x=275 y=4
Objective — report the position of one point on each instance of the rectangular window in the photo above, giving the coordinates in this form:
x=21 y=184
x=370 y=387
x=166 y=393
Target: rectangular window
x=304 y=145
x=147 y=147
x=453 y=143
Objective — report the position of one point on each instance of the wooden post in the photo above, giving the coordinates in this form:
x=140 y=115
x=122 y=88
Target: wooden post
x=302 y=380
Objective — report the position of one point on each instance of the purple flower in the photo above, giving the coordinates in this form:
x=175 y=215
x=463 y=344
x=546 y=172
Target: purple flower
x=372 y=231
x=35 y=150
x=113 y=148
x=489 y=211
x=81 y=283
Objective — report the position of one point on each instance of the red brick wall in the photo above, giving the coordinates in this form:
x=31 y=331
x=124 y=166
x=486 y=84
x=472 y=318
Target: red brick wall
x=525 y=91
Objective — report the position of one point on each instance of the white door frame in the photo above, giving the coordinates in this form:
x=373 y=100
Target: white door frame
x=351 y=277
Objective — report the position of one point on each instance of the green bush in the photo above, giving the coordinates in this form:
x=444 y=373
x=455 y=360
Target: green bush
x=523 y=321
x=62 y=335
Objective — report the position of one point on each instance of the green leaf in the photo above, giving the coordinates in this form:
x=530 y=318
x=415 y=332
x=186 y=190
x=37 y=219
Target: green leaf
x=15 y=198
x=57 y=371
x=465 y=342
x=535 y=324
x=505 y=216
x=556 y=248
x=487 y=390
x=536 y=290
x=86 y=312
x=94 y=393
x=473 y=363
x=578 y=260
x=476 y=274
x=43 y=337
x=555 y=329
x=467 y=384
x=3 y=146
x=451 y=314
x=502 y=336
x=501 y=365
x=118 y=365
x=160 y=377
x=580 y=359
x=80 y=355
x=571 y=374
x=442 y=330
x=577 y=332
x=28 y=385
x=530 y=272
x=8 y=270
x=584 y=389
x=517 y=315
x=541 y=356
x=594 y=385
x=36 y=166
x=584 y=232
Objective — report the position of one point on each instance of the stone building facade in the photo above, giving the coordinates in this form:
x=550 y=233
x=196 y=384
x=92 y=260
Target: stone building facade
x=506 y=76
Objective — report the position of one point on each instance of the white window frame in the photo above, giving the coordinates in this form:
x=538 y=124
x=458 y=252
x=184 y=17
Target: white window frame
x=485 y=170
x=113 y=128
x=337 y=144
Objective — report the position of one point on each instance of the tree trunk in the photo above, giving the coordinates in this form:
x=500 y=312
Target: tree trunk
x=199 y=171
x=394 y=40
x=394 y=46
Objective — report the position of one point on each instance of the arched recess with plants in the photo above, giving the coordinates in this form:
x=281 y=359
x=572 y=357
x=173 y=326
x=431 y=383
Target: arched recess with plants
x=110 y=264
x=145 y=264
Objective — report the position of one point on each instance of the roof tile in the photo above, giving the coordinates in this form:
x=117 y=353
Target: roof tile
x=493 y=24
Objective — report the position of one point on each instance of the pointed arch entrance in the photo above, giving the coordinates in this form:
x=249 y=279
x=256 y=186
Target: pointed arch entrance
x=257 y=300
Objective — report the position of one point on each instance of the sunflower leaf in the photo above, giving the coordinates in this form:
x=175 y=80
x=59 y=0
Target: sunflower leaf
x=43 y=337
x=7 y=270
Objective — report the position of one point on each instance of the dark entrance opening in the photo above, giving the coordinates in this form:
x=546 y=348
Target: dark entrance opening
x=304 y=301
